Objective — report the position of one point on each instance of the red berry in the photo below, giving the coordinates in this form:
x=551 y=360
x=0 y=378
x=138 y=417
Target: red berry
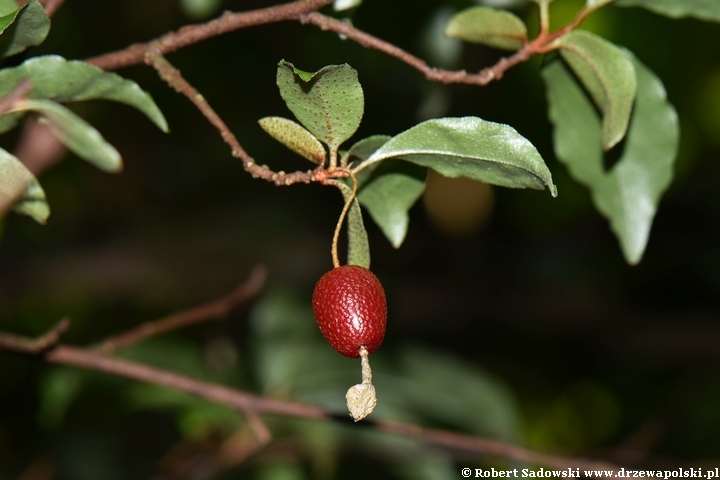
x=350 y=309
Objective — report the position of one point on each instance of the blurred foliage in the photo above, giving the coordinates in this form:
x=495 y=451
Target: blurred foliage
x=531 y=329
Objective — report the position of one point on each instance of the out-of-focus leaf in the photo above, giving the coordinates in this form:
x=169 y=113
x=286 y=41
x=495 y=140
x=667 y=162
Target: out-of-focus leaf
x=281 y=471
x=445 y=389
x=488 y=26
x=701 y=9
x=200 y=9
x=63 y=81
x=474 y=148
x=58 y=389
x=358 y=245
x=328 y=102
x=295 y=137
x=629 y=193
x=78 y=135
x=28 y=28
x=608 y=74
x=389 y=196
x=19 y=187
x=341 y=5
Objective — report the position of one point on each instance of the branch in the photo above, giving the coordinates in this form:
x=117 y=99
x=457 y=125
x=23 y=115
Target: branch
x=247 y=402
x=174 y=78
x=541 y=44
x=188 y=35
x=215 y=309
x=51 y=6
x=17 y=93
x=34 y=346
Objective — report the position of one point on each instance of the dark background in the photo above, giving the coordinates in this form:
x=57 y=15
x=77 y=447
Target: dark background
x=603 y=359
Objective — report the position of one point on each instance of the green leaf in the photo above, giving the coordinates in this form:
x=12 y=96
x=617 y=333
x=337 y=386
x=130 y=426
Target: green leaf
x=61 y=80
x=358 y=245
x=471 y=147
x=488 y=26
x=700 y=9
x=389 y=195
x=629 y=193
x=7 y=7
x=78 y=135
x=295 y=137
x=607 y=74
x=28 y=27
x=19 y=187
x=362 y=150
x=6 y=20
x=329 y=102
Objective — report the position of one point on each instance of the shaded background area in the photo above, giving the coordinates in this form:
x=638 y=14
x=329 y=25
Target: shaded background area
x=531 y=317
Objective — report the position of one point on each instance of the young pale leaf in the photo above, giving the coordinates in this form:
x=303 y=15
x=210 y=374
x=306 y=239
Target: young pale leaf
x=19 y=187
x=701 y=9
x=488 y=26
x=76 y=134
x=28 y=27
x=474 y=148
x=358 y=245
x=629 y=193
x=389 y=196
x=62 y=80
x=329 y=102
x=295 y=137
x=608 y=74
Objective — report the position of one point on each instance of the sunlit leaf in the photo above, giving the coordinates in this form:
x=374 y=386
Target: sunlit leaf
x=488 y=26
x=701 y=9
x=78 y=135
x=19 y=187
x=358 y=245
x=341 y=5
x=629 y=193
x=295 y=137
x=608 y=74
x=388 y=197
x=63 y=81
x=28 y=28
x=329 y=102
x=595 y=4
x=474 y=148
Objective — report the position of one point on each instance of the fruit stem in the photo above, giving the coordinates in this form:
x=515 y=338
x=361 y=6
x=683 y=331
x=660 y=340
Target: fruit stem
x=365 y=365
x=361 y=398
x=338 y=227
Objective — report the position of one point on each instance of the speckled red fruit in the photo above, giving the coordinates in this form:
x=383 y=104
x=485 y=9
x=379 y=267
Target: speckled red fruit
x=350 y=309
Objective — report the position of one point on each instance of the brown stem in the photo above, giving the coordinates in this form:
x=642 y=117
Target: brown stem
x=51 y=6
x=34 y=346
x=188 y=35
x=46 y=347
x=17 y=93
x=174 y=78
x=215 y=309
